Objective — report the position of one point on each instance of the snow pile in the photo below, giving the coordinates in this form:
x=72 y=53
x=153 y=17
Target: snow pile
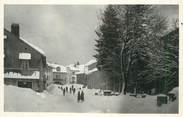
x=35 y=75
x=52 y=100
x=20 y=99
x=175 y=91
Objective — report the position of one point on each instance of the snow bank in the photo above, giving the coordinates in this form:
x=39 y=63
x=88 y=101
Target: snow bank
x=19 y=99
x=52 y=100
x=35 y=75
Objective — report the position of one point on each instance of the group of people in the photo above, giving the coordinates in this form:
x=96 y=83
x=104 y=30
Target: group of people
x=66 y=90
x=72 y=90
x=80 y=96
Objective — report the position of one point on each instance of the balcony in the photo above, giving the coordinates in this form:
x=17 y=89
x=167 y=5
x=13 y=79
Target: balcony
x=31 y=73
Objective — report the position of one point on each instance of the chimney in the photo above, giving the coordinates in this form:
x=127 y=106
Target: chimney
x=15 y=30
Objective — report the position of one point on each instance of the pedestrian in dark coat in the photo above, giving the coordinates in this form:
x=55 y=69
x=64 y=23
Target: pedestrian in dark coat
x=66 y=89
x=74 y=90
x=79 y=96
x=82 y=96
x=70 y=90
x=64 y=92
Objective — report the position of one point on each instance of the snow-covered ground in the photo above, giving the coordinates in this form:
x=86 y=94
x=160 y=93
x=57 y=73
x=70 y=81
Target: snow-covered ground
x=52 y=100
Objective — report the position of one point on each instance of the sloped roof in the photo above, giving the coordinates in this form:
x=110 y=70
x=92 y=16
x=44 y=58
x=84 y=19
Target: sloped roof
x=33 y=46
x=91 y=62
x=28 y=43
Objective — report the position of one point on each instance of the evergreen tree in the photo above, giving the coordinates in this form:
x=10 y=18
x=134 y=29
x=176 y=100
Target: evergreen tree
x=139 y=33
x=108 y=44
x=127 y=38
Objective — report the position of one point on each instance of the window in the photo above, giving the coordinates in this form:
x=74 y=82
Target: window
x=25 y=64
x=57 y=76
x=24 y=84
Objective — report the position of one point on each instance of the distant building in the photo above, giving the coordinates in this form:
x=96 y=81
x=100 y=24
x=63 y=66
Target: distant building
x=81 y=75
x=71 y=70
x=96 y=79
x=59 y=73
x=24 y=63
x=49 y=75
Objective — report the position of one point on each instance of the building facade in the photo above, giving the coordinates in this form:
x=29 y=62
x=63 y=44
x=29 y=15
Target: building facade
x=96 y=79
x=59 y=73
x=49 y=75
x=24 y=63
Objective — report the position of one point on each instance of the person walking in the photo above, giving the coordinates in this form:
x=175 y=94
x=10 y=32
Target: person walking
x=74 y=90
x=64 y=92
x=82 y=96
x=66 y=89
x=70 y=90
x=79 y=96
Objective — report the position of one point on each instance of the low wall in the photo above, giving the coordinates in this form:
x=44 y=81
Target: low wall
x=14 y=82
x=97 y=80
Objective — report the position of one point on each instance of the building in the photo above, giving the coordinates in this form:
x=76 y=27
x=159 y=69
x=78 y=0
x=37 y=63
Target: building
x=81 y=75
x=49 y=75
x=77 y=74
x=72 y=77
x=24 y=63
x=96 y=79
x=59 y=73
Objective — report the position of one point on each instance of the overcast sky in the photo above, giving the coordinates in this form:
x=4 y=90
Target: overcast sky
x=64 y=32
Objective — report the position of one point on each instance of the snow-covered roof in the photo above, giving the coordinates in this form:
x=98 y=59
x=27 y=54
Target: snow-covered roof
x=73 y=68
x=33 y=46
x=91 y=62
x=25 y=56
x=35 y=75
x=93 y=70
x=55 y=66
x=82 y=69
x=79 y=69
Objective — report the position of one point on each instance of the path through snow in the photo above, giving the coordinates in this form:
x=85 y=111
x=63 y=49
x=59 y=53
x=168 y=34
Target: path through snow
x=26 y=100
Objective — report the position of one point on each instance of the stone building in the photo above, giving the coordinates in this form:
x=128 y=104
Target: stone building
x=59 y=73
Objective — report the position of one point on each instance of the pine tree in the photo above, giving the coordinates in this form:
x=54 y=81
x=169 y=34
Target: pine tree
x=126 y=40
x=139 y=26
x=108 y=44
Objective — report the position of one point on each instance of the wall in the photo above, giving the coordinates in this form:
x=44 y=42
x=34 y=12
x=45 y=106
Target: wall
x=49 y=76
x=97 y=80
x=12 y=47
x=81 y=79
x=61 y=79
x=92 y=66
x=14 y=82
